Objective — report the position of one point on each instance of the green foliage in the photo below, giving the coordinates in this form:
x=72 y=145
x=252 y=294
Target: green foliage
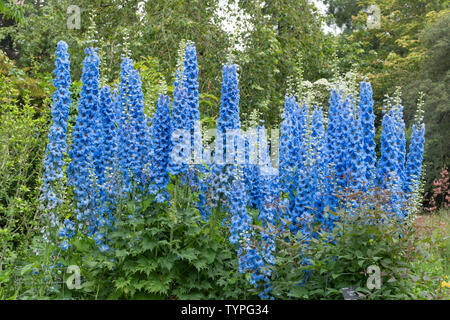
x=22 y=145
x=319 y=267
x=286 y=40
x=36 y=89
x=10 y=10
x=392 y=52
x=434 y=81
x=343 y=11
x=118 y=27
x=169 y=252
x=34 y=275
x=408 y=50
x=434 y=248
x=153 y=82
x=159 y=252
x=286 y=36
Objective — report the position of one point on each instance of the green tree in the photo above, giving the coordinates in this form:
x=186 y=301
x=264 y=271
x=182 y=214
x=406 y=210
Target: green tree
x=153 y=30
x=392 y=52
x=286 y=40
x=10 y=10
x=343 y=11
x=434 y=80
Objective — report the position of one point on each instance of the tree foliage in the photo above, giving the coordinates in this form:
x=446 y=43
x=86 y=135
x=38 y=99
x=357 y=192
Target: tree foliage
x=286 y=41
x=433 y=80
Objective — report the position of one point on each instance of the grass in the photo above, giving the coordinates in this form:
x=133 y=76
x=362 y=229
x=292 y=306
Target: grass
x=433 y=233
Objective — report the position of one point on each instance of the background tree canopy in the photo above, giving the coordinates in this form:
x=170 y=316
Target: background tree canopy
x=283 y=44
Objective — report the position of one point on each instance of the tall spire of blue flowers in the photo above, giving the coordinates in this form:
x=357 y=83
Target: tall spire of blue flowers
x=161 y=148
x=240 y=219
x=307 y=186
x=190 y=82
x=356 y=165
x=343 y=142
x=228 y=121
x=395 y=184
x=251 y=259
x=413 y=168
x=126 y=132
x=291 y=135
x=181 y=143
x=187 y=137
x=106 y=166
x=319 y=163
x=108 y=142
x=84 y=138
x=344 y=148
x=388 y=166
x=229 y=103
x=57 y=136
x=138 y=150
x=228 y=124
x=400 y=140
x=121 y=109
x=109 y=134
x=368 y=130
x=332 y=134
x=336 y=146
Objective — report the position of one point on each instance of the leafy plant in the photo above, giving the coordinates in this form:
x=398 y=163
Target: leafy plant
x=321 y=266
x=160 y=252
x=21 y=147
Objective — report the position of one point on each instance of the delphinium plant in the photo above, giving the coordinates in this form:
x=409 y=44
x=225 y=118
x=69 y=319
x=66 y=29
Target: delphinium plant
x=152 y=210
x=85 y=136
x=54 y=166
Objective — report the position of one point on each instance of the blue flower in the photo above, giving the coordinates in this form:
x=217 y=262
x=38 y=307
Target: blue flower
x=368 y=130
x=190 y=83
x=229 y=106
x=241 y=220
x=181 y=142
x=161 y=143
x=414 y=160
x=292 y=144
x=64 y=245
x=85 y=141
x=228 y=136
x=54 y=155
x=108 y=147
x=104 y=248
x=390 y=167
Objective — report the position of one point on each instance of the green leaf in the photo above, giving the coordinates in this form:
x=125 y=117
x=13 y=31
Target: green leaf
x=298 y=292
x=122 y=284
x=166 y=263
x=121 y=253
x=148 y=244
x=157 y=284
x=189 y=254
